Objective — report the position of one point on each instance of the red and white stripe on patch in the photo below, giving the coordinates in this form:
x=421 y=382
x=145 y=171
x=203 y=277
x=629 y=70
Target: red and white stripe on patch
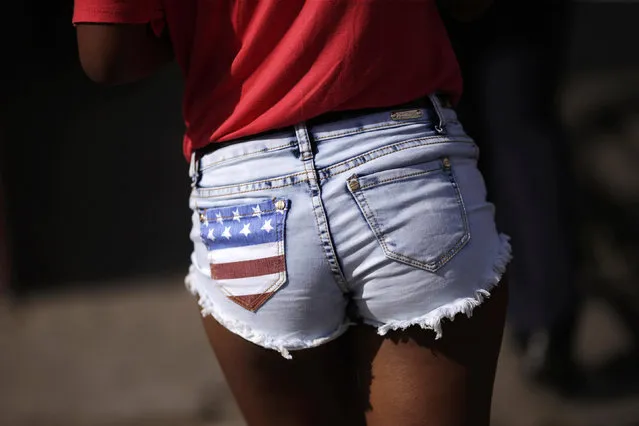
x=246 y=250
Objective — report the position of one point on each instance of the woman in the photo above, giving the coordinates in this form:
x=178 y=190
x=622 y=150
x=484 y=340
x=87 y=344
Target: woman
x=339 y=220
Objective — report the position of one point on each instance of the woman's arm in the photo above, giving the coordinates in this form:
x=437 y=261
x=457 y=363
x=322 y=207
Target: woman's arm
x=121 y=53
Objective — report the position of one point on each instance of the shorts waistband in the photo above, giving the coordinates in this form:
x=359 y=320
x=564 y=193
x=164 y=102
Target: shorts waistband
x=433 y=109
x=332 y=116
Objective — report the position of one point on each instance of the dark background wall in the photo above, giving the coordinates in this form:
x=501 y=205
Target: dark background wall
x=95 y=183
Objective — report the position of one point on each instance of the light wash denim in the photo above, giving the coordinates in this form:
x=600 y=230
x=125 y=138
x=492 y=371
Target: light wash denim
x=385 y=214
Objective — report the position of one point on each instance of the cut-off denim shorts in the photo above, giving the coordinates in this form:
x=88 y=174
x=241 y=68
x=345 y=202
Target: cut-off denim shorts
x=379 y=219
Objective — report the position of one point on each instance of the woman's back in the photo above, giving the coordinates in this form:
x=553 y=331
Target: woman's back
x=252 y=66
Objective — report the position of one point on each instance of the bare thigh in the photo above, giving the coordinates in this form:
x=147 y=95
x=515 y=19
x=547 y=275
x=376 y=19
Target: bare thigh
x=405 y=378
x=415 y=380
x=315 y=388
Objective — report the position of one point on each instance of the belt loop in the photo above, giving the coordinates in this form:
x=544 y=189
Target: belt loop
x=194 y=169
x=304 y=141
x=441 y=126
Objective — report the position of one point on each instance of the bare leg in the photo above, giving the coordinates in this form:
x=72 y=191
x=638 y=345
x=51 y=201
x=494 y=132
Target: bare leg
x=403 y=379
x=316 y=387
x=416 y=380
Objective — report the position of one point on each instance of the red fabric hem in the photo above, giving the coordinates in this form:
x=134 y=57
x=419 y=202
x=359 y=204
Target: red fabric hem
x=90 y=15
x=115 y=15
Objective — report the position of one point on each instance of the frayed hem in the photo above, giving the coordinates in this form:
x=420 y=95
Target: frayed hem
x=433 y=320
x=247 y=333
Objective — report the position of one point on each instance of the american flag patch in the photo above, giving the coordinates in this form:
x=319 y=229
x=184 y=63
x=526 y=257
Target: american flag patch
x=246 y=250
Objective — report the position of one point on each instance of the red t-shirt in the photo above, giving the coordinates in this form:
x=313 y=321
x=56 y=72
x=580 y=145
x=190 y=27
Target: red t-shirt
x=257 y=65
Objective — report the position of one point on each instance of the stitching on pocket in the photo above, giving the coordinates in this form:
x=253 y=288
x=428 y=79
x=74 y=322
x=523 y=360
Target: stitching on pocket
x=464 y=214
x=442 y=259
x=269 y=290
x=242 y=216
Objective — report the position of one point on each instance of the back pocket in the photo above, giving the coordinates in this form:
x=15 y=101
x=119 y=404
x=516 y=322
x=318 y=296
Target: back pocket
x=245 y=245
x=416 y=213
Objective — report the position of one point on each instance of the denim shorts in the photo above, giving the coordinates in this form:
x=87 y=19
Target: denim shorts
x=379 y=219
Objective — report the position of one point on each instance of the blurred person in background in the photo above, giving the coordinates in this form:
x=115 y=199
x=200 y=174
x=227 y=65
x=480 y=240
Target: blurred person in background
x=511 y=60
x=333 y=190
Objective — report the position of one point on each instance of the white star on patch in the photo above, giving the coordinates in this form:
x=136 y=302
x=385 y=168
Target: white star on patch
x=246 y=231
x=218 y=216
x=257 y=211
x=227 y=232
x=206 y=221
x=210 y=235
x=267 y=226
x=236 y=215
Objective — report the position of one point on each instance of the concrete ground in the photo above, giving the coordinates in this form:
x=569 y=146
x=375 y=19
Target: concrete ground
x=134 y=354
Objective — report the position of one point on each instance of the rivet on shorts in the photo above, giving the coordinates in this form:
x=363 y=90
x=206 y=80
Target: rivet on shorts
x=353 y=184
x=446 y=162
x=202 y=217
x=280 y=205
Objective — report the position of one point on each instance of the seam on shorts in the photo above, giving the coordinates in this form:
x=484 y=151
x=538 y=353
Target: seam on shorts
x=217 y=188
x=249 y=190
x=248 y=154
x=379 y=182
x=360 y=130
x=337 y=272
x=386 y=125
x=439 y=139
x=327 y=173
x=205 y=192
